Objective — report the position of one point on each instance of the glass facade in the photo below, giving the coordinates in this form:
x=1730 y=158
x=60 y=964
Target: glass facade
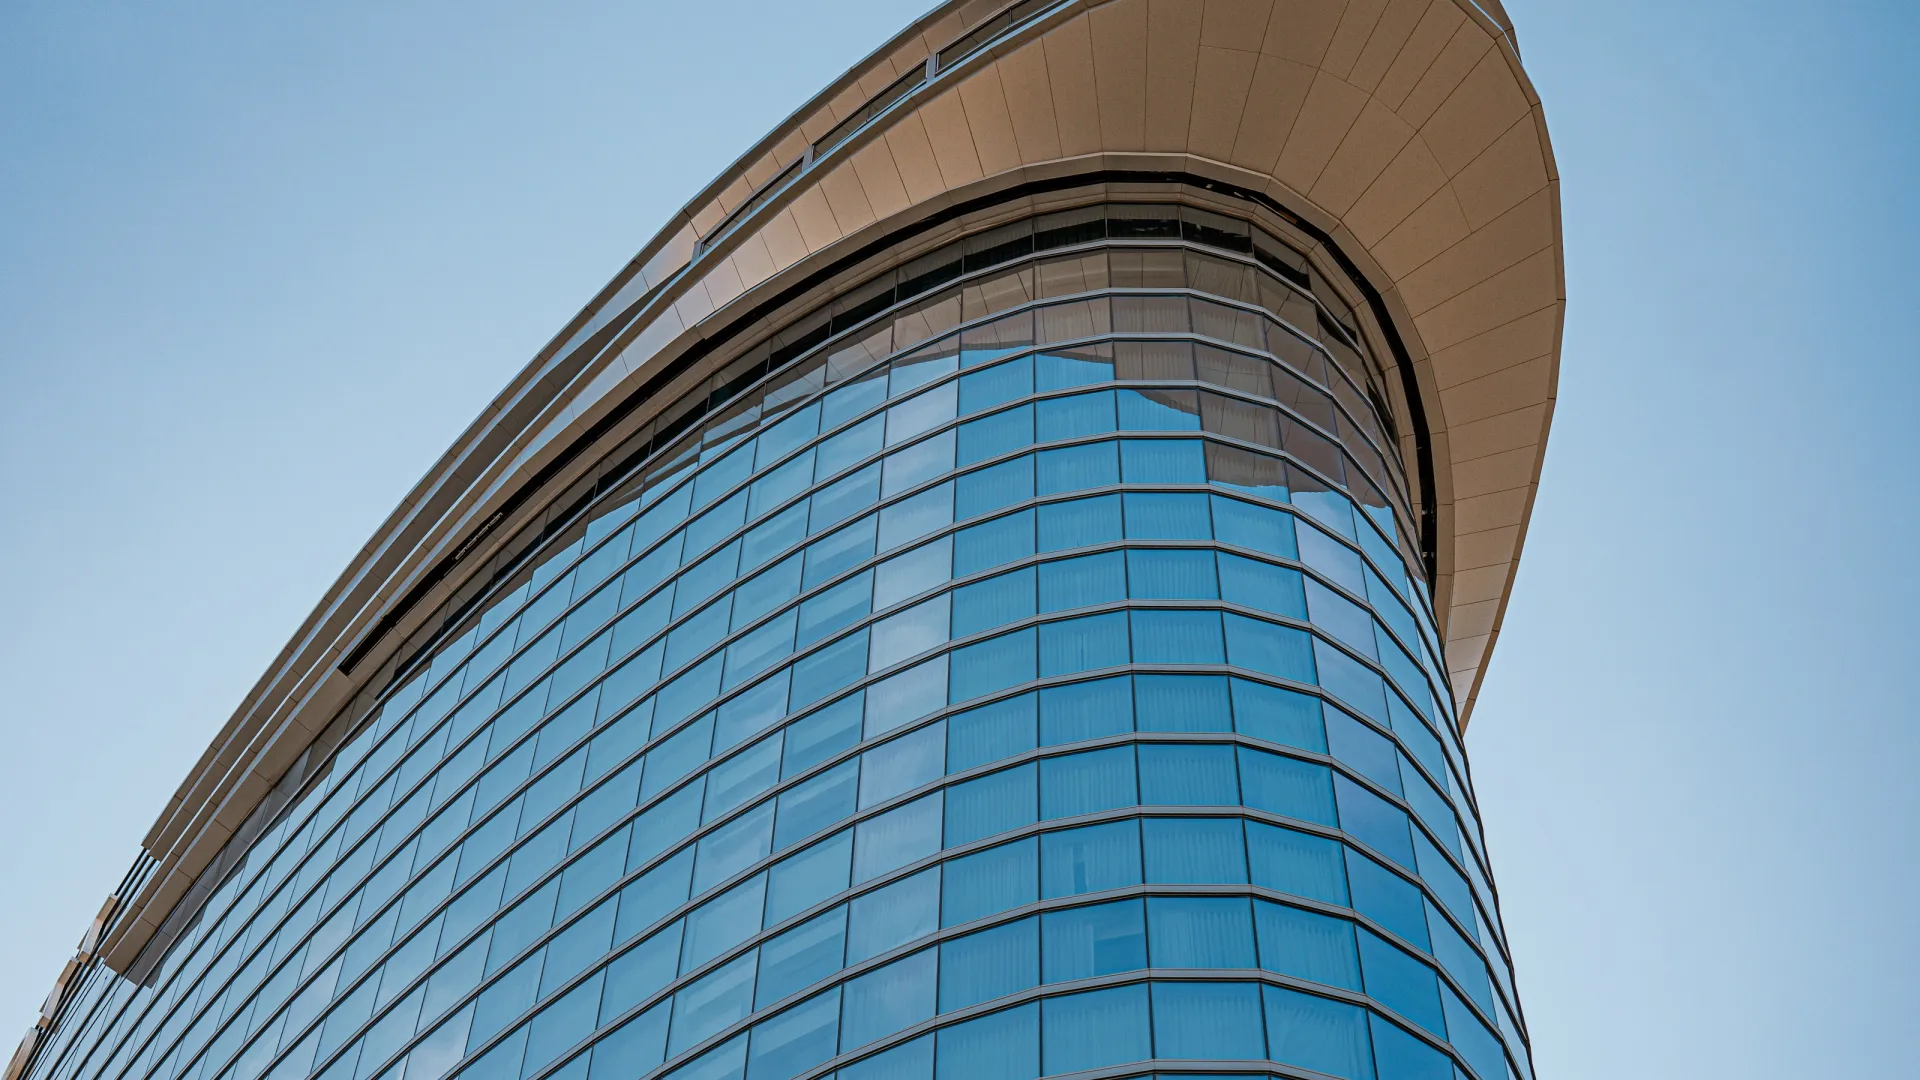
x=1021 y=666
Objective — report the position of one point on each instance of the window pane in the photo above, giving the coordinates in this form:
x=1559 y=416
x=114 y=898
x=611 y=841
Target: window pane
x=1279 y=716
x=723 y=922
x=993 y=664
x=1262 y=585
x=1295 y=862
x=993 y=602
x=796 y=1040
x=1194 y=851
x=1177 y=637
x=1088 y=710
x=986 y=490
x=1400 y=1055
x=908 y=1061
x=999 y=1046
x=1082 y=582
x=888 y=918
x=1200 y=932
x=902 y=764
x=1401 y=983
x=710 y=1003
x=1090 y=859
x=816 y=738
x=1074 y=416
x=991 y=732
x=1307 y=945
x=883 y=1001
x=1075 y=468
x=1182 y=703
x=1207 y=1020
x=993 y=543
x=896 y=838
x=816 y=803
x=802 y=956
x=803 y=880
x=995 y=803
x=1087 y=783
x=1088 y=643
x=1079 y=523
x=1187 y=776
x=1154 y=574
x=989 y=882
x=993 y=435
x=1281 y=785
x=990 y=964
x=1097 y=1029
x=1318 y=1034
x=1158 y=516
x=1374 y=821
x=1085 y=942
x=1387 y=898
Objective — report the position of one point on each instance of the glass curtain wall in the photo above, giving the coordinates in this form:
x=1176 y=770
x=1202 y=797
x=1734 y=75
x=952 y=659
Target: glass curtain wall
x=1033 y=676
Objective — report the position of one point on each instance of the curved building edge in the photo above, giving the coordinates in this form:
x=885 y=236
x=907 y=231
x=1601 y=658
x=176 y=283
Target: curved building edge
x=1407 y=144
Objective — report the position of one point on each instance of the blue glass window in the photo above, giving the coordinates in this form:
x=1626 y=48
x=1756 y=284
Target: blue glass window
x=1100 y=939
x=999 y=1046
x=995 y=803
x=1088 y=643
x=1162 y=461
x=889 y=917
x=993 y=664
x=991 y=436
x=1208 y=1020
x=1284 y=786
x=1200 y=932
x=1182 y=703
x=1087 y=783
x=809 y=876
x=795 y=1040
x=1089 y=859
x=991 y=732
x=993 y=543
x=1387 y=898
x=1173 y=775
x=1280 y=651
x=1080 y=523
x=989 y=882
x=1074 y=416
x=1374 y=821
x=1401 y=1056
x=1088 y=710
x=1307 y=945
x=1319 y=1034
x=1401 y=982
x=888 y=999
x=1153 y=515
x=1082 y=582
x=989 y=964
x=1096 y=1029
x=986 y=490
x=1177 y=637
x=1295 y=862
x=1076 y=468
x=996 y=601
x=1170 y=575
x=1286 y=717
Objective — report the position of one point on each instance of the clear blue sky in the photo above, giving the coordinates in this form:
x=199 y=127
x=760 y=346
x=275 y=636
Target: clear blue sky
x=259 y=264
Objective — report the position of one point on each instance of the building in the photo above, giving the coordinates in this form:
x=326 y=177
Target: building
x=992 y=590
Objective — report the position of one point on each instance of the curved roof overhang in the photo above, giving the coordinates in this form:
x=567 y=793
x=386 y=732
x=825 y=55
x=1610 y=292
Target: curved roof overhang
x=1403 y=134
